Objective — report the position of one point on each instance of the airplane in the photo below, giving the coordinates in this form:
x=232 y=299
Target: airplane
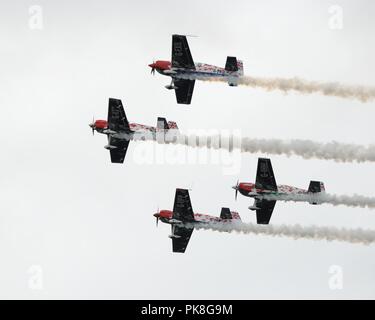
x=184 y=71
x=119 y=131
x=182 y=219
x=265 y=185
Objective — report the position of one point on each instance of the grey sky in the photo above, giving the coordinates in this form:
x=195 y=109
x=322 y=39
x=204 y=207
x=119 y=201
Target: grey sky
x=88 y=224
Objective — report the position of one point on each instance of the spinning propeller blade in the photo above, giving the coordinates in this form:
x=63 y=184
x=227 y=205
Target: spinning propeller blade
x=157 y=218
x=236 y=190
x=92 y=125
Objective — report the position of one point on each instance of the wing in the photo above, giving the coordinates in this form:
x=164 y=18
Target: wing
x=265 y=178
x=183 y=234
x=184 y=91
x=181 y=56
x=117 y=120
x=265 y=212
x=118 y=154
x=182 y=209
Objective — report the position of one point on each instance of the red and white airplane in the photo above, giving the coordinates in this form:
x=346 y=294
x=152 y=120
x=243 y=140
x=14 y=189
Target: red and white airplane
x=184 y=71
x=182 y=219
x=119 y=131
x=265 y=186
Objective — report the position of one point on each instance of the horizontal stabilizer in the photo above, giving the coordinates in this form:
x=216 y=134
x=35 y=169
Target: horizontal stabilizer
x=172 y=125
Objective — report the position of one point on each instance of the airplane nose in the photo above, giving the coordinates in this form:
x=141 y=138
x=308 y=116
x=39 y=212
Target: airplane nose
x=156 y=215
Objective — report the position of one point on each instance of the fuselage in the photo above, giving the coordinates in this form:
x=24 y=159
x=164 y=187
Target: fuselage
x=202 y=70
x=166 y=216
x=249 y=190
x=101 y=126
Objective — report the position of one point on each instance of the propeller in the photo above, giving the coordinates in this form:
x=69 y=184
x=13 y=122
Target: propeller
x=236 y=188
x=157 y=218
x=92 y=125
x=153 y=68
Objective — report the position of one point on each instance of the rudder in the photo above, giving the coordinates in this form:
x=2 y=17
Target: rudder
x=162 y=124
x=231 y=64
x=316 y=187
x=225 y=213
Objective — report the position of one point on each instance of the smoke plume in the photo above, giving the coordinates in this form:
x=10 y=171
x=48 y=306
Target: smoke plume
x=307 y=149
x=335 y=89
x=359 y=236
x=333 y=199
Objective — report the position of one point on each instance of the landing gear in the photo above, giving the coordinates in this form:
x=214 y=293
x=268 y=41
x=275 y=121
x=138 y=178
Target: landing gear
x=171 y=86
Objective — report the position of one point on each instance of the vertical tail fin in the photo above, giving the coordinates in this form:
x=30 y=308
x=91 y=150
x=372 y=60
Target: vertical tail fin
x=234 y=69
x=316 y=187
x=162 y=124
x=235 y=216
x=226 y=214
x=231 y=64
x=234 y=65
x=166 y=131
x=172 y=125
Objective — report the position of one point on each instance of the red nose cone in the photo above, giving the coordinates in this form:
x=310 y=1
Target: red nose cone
x=165 y=214
x=160 y=65
x=245 y=186
x=101 y=124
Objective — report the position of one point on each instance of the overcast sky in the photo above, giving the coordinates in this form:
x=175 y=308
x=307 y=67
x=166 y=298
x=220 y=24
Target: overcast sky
x=73 y=225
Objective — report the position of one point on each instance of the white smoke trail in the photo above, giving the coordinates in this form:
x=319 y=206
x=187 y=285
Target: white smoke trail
x=295 y=231
x=361 y=93
x=340 y=152
x=333 y=199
